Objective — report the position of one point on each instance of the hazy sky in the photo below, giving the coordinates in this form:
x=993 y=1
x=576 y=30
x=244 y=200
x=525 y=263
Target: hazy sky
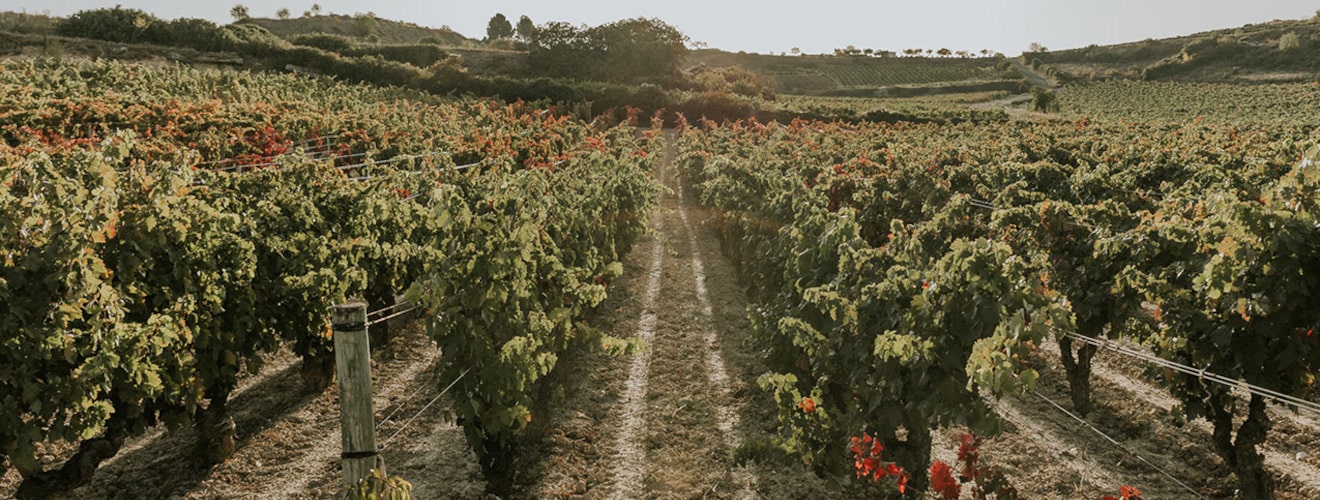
x=814 y=26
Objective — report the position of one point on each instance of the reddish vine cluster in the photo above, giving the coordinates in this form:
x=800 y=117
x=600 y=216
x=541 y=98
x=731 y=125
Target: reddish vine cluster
x=1125 y=493
x=869 y=462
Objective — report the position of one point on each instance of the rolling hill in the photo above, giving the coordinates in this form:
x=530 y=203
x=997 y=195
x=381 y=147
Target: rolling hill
x=363 y=27
x=867 y=76
x=1273 y=52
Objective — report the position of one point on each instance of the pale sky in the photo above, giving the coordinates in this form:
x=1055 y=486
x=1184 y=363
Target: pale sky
x=815 y=26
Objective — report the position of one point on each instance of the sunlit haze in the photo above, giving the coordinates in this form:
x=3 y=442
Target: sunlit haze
x=818 y=26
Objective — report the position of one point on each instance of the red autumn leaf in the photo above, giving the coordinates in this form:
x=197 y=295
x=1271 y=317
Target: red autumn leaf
x=942 y=481
x=807 y=405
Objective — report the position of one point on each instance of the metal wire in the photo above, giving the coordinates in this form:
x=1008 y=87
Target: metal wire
x=402 y=405
x=449 y=169
x=424 y=408
x=309 y=157
x=392 y=316
x=1199 y=373
x=1117 y=444
x=992 y=207
x=389 y=308
x=394 y=159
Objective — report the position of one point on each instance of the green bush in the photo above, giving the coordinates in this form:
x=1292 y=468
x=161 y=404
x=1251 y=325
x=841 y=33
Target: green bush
x=254 y=41
x=733 y=79
x=372 y=69
x=420 y=55
x=135 y=26
x=114 y=25
x=1043 y=100
x=717 y=106
x=447 y=74
x=324 y=41
x=199 y=34
x=1289 y=41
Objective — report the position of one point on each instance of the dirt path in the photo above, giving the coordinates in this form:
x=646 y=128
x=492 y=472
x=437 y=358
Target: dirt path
x=1009 y=104
x=1035 y=78
x=665 y=422
x=679 y=420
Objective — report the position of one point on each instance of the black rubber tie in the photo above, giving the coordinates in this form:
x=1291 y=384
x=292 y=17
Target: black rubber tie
x=349 y=327
x=350 y=455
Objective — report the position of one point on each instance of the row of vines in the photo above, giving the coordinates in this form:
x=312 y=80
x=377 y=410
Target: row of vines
x=163 y=229
x=904 y=272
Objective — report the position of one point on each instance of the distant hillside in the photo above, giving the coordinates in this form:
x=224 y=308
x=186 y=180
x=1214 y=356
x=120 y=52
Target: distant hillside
x=365 y=28
x=1277 y=51
x=860 y=75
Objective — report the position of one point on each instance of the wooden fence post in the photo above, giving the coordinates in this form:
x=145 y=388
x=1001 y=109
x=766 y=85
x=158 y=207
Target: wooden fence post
x=353 y=368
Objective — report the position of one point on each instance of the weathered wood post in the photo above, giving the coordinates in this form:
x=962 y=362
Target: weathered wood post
x=353 y=367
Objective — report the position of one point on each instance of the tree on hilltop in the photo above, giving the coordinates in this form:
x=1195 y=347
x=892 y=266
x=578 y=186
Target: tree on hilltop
x=629 y=51
x=499 y=28
x=526 y=30
x=239 y=12
x=642 y=50
x=283 y=13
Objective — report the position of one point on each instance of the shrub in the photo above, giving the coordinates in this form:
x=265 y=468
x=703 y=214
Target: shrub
x=253 y=40
x=323 y=41
x=199 y=34
x=502 y=44
x=419 y=55
x=375 y=70
x=717 y=106
x=114 y=25
x=1289 y=41
x=1043 y=100
x=135 y=26
x=733 y=79
x=448 y=74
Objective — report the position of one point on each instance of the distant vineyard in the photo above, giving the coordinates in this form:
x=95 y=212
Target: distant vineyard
x=1283 y=105
x=821 y=74
x=906 y=71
